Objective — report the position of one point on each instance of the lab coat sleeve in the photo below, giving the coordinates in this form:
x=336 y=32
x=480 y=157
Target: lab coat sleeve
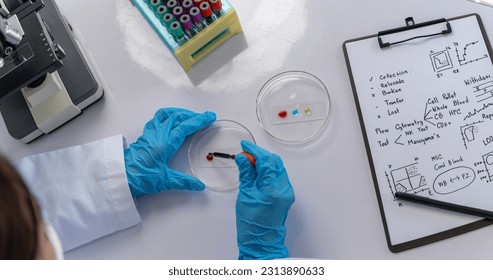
x=82 y=190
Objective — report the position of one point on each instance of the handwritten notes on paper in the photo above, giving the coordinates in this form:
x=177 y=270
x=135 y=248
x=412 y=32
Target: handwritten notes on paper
x=427 y=109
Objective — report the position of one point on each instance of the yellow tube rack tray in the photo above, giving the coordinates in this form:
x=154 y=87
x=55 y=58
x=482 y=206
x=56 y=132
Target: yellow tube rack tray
x=204 y=42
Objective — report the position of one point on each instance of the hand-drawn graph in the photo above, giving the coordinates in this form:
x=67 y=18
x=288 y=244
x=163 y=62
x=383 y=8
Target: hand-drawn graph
x=441 y=61
x=469 y=132
x=406 y=179
x=484 y=91
x=469 y=53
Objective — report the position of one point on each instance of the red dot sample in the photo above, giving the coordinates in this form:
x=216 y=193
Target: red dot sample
x=210 y=157
x=283 y=114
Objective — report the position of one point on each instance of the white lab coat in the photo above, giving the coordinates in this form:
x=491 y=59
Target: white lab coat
x=82 y=190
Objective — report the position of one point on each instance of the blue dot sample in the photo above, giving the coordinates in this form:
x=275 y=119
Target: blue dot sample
x=296 y=112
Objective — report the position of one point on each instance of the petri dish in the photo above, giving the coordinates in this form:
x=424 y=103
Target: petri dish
x=223 y=136
x=294 y=107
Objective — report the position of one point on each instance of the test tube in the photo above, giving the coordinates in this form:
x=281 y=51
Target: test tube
x=167 y=20
x=197 y=18
x=206 y=11
x=154 y=4
x=197 y=3
x=177 y=33
x=161 y=11
x=178 y=12
x=187 y=25
x=187 y=5
x=171 y=4
x=217 y=6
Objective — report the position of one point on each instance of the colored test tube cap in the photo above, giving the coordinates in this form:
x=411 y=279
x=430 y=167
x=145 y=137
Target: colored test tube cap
x=176 y=29
x=187 y=5
x=186 y=22
x=206 y=10
x=162 y=10
x=178 y=11
x=216 y=4
x=168 y=19
x=171 y=4
x=195 y=14
x=197 y=2
x=155 y=3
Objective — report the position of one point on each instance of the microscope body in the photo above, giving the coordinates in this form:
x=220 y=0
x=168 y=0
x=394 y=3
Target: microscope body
x=46 y=78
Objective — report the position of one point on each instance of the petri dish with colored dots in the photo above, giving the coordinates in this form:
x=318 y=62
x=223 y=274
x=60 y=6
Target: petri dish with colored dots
x=223 y=136
x=294 y=107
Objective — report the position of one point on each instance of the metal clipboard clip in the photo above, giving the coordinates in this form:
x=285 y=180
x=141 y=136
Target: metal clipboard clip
x=410 y=25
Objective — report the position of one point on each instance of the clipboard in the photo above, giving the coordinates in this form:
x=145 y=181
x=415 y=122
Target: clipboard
x=424 y=96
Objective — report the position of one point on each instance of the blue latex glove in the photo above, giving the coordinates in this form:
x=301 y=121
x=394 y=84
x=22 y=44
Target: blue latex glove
x=146 y=160
x=262 y=206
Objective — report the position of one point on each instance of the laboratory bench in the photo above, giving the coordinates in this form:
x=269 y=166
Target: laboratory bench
x=336 y=214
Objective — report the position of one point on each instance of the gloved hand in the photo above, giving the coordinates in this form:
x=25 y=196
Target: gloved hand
x=146 y=160
x=264 y=199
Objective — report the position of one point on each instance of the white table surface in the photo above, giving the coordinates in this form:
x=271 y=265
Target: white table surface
x=335 y=215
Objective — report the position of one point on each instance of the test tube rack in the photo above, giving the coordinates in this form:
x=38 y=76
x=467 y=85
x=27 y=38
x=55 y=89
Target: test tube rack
x=204 y=42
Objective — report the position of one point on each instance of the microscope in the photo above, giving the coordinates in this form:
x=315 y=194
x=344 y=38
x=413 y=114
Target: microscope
x=46 y=78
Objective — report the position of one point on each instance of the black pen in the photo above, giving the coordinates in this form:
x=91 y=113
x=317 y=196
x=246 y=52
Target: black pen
x=444 y=205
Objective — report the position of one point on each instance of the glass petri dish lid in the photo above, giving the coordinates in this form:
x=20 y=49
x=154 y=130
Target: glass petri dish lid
x=223 y=136
x=294 y=107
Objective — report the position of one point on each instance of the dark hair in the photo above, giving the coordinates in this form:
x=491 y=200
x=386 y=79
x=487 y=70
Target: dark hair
x=19 y=216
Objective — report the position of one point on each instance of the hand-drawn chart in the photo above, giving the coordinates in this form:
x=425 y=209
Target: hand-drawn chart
x=407 y=179
x=469 y=54
x=441 y=61
x=469 y=132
